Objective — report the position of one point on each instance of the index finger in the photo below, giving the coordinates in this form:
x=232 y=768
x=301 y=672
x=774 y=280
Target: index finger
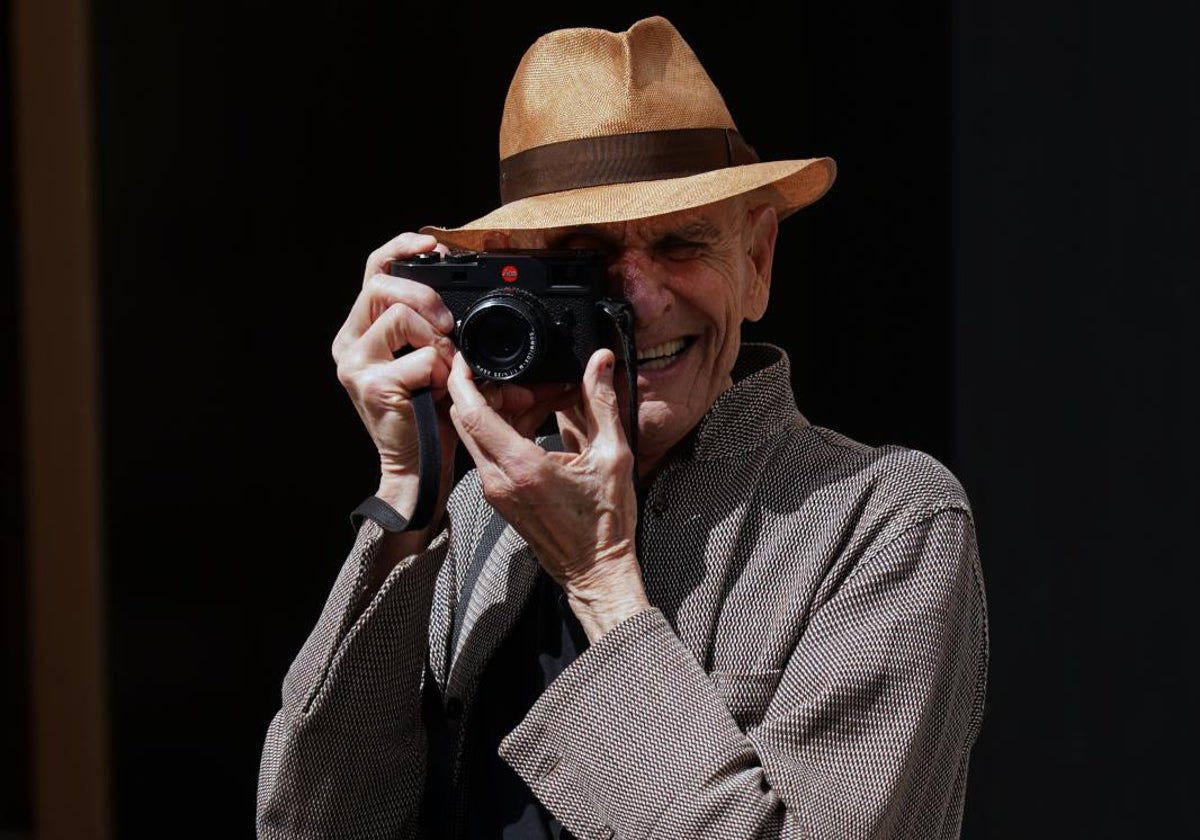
x=480 y=426
x=402 y=247
x=380 y=293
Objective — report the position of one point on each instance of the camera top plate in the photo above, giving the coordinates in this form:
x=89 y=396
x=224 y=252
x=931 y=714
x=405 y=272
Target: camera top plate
x=538 y=271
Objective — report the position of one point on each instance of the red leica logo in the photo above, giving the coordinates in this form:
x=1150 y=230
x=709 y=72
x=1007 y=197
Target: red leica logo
x=509 y=273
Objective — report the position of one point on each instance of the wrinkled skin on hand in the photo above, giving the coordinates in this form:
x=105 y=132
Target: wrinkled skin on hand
x=394 y=315
x=577 y=509
x=397 y=340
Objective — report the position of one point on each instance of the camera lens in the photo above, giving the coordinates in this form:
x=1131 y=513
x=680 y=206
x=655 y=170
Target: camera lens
x=501 y=338
x=502 y=335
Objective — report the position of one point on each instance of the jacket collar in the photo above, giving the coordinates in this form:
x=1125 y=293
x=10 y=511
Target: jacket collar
x=759 y=406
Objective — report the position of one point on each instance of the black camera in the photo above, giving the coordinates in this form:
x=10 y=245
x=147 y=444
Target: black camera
x=520 y=315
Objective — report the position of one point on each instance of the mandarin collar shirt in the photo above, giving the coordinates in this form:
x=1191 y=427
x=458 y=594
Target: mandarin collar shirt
x=813 y=666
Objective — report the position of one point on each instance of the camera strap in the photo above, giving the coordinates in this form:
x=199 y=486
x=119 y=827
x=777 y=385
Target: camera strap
x=429 y=451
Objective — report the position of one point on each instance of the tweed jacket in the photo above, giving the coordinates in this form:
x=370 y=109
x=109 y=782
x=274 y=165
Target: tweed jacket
x=813 y=666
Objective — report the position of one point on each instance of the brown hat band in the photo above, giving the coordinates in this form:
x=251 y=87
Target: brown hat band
x=621 y=159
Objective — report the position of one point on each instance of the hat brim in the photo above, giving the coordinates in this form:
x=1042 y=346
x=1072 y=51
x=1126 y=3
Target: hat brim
x=795 y=184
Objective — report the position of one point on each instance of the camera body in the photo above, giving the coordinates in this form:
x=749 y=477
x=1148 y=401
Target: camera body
x=523 y=316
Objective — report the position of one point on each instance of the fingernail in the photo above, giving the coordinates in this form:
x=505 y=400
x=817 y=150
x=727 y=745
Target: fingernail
x=446 y=321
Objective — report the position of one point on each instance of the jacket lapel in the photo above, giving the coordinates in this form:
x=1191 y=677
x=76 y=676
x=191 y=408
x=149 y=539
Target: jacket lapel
x=490 y=595
x=477 y=604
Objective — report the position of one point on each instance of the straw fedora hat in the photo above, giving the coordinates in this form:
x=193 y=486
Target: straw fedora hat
x=603 y=126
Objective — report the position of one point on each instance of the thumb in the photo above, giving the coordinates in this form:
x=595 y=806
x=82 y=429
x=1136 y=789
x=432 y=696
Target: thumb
x=600 y=406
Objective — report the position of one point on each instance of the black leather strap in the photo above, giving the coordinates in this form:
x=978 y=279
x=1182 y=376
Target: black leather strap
x=429 y=450
x=376 y=509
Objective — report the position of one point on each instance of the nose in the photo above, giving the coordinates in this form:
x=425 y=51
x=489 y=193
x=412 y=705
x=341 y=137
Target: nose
x=632 y=274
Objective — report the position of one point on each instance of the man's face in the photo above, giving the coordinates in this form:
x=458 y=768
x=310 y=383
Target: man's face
x=692 y=277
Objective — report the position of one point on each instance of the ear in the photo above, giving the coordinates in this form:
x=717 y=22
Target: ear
x=763 y=228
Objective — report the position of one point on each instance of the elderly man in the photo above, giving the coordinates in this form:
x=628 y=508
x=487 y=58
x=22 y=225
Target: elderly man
x=751 y=626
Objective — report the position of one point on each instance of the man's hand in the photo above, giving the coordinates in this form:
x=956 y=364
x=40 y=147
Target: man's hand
x=577 y=509
x=390 y=315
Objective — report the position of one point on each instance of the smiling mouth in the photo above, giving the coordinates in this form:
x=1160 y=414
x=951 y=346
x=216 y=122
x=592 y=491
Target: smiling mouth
x=661 y=355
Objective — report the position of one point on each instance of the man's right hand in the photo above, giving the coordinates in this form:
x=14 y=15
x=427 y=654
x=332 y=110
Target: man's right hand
x=395 y=341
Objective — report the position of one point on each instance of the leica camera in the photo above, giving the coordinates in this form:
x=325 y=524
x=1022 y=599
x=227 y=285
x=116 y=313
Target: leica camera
x=523 y=316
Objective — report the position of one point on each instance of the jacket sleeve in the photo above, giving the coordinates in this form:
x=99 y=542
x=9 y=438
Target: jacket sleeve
x=866 y=734
x=345 y=754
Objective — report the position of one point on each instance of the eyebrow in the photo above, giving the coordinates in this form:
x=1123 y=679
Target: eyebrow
x=701 y=230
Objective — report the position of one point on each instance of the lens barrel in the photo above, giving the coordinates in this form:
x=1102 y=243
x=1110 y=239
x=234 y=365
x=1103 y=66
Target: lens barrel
x=504 y=334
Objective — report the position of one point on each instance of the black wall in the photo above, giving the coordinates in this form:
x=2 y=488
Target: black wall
x=15 y=803
x=1004 y=275
x=248 y=162
x=1077 y=261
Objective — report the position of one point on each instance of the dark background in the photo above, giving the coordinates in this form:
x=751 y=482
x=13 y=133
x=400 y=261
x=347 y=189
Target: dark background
x=14 y=751
x=1005 y=276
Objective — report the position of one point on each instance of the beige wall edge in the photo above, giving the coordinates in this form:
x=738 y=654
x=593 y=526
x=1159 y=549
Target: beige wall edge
x=56 y=249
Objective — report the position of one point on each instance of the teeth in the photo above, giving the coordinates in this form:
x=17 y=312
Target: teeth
x=670 y=348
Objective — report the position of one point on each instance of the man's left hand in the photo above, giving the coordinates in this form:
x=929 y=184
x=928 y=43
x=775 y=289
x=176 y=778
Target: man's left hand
x=577 y=509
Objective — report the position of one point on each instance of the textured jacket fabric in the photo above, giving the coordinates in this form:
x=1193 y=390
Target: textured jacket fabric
x=814 y=665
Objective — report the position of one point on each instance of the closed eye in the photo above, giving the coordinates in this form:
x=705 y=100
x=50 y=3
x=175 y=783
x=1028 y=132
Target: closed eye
x=675 y=248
